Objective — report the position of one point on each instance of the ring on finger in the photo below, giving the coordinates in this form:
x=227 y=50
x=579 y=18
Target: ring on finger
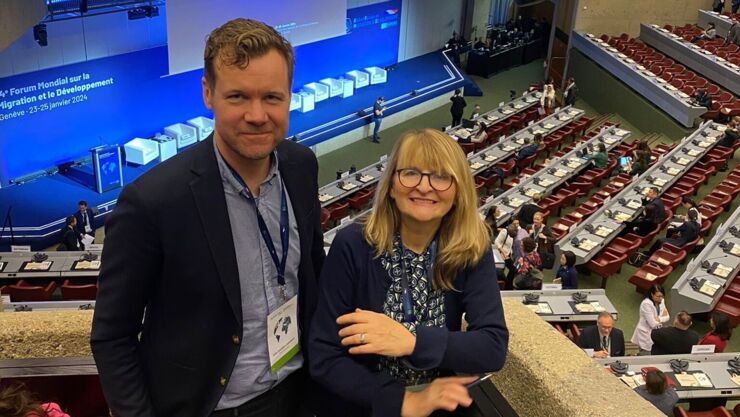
x=362 y=338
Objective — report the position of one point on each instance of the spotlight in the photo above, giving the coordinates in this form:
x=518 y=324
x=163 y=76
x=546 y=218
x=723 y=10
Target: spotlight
x=40 y=35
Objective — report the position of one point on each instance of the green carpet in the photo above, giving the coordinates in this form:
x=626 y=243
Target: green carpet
x=623 y=104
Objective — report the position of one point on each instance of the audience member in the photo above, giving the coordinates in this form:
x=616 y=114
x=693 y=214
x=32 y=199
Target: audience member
x=547 y=101
x=529 y=148
x=542 y=235
x=718 y=5
x=690 y=205
x=653 y=313
x=567 y=275
x=720 y=332
x=457 y=108
x=504 y=242
x=476 y=112
x=605 y=339
x=17 y=401
x=675 y=340
x=702 y=98
x=570 y=94
x=652 y=215
x=528 y=267
x=640 y=159
x=84 y=218
x=493 y=213
x=70 y=237
x=731 y=134
x=599 y=157
x=479 y=44
x=480 y=134
x=528 y=210
x=657 y=392
x=733 y=34
x=378 y=110
x=687 y=232
x=708 y=34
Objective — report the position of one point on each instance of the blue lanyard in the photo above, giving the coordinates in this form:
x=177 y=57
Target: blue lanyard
x=284 y=228
x=407 y=303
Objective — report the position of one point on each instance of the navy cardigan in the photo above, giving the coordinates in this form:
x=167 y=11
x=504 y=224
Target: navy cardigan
x=353 y=277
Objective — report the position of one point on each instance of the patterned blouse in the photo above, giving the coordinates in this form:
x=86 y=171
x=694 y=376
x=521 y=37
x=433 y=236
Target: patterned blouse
x=428 y=305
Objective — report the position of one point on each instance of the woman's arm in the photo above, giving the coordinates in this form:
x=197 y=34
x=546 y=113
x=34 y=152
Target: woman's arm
x=331 y=365
x=482 y=348
x=664 y=314
x=647 y=311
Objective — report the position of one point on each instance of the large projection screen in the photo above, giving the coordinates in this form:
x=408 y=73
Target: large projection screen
x=300 y=21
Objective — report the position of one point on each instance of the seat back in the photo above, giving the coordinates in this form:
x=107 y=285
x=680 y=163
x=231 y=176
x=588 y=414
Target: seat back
x=31 y=293
x=79 y=292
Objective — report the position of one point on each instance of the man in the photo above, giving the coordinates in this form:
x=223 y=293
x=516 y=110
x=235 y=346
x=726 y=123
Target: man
x=527 y=212
x=603 y=338
x=479 y=44
x=458 y=107
x=735 y=6
x=708 y=34
x=84 y=216
x=571 y=92
x=718 y=5
x=733 y=34
x=70 y=236
x=378 y=110
x=210 y=247
x=703 y=99
x=476 y=112
x=674 y=340
x=528 y=149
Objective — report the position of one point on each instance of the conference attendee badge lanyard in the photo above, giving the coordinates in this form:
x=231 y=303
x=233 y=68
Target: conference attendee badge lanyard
x=282 y=324
x=407 y=302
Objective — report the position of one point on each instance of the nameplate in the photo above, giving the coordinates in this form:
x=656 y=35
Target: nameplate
x=589 y=352
x=557 y=109
x=345 y=220
x=531 y=122
x=552 y=286
x=489 y=199
x=95 y=247
x=501 y=104
x=470 y=154
x=345 y=174
x=20 y=248
x=702 y=349
x=384 y=158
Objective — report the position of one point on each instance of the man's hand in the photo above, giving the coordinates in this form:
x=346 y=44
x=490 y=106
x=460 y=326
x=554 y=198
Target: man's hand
x=601 y=354
x=368 y=332
x=442 y=394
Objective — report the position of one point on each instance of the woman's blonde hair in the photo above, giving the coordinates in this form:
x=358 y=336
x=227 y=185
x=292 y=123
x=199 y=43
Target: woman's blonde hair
x=463 y=236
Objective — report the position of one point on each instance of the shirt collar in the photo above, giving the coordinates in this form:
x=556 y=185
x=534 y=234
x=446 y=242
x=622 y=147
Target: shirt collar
x=231 y=177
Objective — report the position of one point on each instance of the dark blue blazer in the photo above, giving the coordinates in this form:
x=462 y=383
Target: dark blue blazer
x=352 y=277
x=526 y=152
x=569 y=277
x=80 y=223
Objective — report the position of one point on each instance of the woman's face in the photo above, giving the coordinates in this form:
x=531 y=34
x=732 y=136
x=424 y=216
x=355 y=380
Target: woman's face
x=422 y=203
x=657 y=297
x=563 y=261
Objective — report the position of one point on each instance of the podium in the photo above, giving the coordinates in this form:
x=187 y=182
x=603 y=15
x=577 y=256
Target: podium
x=295 y=101
x=360 y=78
x=203 y=126
x=377 y=75
x=167 y=147
x=107 y=169
x=335 y=86
x=307 y=102
x=141 y=151
x=320 y=91
x=183 y=134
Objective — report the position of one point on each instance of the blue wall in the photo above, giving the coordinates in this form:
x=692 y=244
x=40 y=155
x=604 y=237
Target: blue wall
x=134 y=98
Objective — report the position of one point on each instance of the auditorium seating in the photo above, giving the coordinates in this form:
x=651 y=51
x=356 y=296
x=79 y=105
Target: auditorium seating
x=23 y=291
x=78 y=292
x=716 y=412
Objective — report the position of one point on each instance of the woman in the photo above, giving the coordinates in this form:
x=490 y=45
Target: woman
x=528 y=267
x=493 y=213
x=548 y=97
x=567 y=274
x=599 y=158
x=640 y=159
x=731 y=134
x=658 y=393
x=480 y=135
x=17 y=401
x=543 y=237
x=394 y=289
x=720 y=333
x=691 y=206
x=653 y=313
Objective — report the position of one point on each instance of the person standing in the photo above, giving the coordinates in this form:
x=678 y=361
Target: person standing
x=212 y=254
x=567 y=275
x=674 y=340
x=718 y=5
x=84 y=216
x=570 y=94
x=378 y=110
x=653 y=313
x=70 y=236
x=735 y=6
x=458 y=107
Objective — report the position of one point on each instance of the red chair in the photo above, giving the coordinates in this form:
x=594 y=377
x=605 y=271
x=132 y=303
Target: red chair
x=575 y=331
x=562 y=227
x=338 y=210
x=716 y=412
x=325 y=217
x=22 y=291
x=524 y=163
x=606 y=264
x=623 y=245
x=648 y=275
x=78 y=292
x=359 y=200
x=667 y=257
x=467 y=147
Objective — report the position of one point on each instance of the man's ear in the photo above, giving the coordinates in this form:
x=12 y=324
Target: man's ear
x=207 y=93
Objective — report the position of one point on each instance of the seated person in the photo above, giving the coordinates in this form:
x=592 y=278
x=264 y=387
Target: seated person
x=603 y=338
x=729 y=138
x=674 y=340
x=493 y=213
x=527 y=211
x=394 y=288
x=528 y=267
x=720 y=332
x=599 y=158
x=687 y=232
x=702 y=98
x=653 y=214
x=529 y=148
x=71 y=239
x=476 y=112
x=689 y=205
x=657 y=392
x=17 y=401
x=480 y=134
x=640 y=159
x=708 y=34
x=567 y=275
x=479 y=44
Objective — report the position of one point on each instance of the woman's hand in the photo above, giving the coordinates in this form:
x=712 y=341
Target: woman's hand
x=368 y=332
x=442 y=394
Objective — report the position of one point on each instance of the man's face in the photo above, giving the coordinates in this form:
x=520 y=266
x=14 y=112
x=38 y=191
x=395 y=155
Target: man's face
x=250 y=106
x=605 y=325
x=82 y=208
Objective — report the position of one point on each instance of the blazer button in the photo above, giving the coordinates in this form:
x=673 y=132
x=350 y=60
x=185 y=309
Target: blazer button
x=235 y=339
x=222 y=381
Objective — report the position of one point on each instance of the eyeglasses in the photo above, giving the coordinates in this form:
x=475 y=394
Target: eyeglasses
x=410 y=178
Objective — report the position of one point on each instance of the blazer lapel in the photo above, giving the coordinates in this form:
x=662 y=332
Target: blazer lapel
x=210 y=201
